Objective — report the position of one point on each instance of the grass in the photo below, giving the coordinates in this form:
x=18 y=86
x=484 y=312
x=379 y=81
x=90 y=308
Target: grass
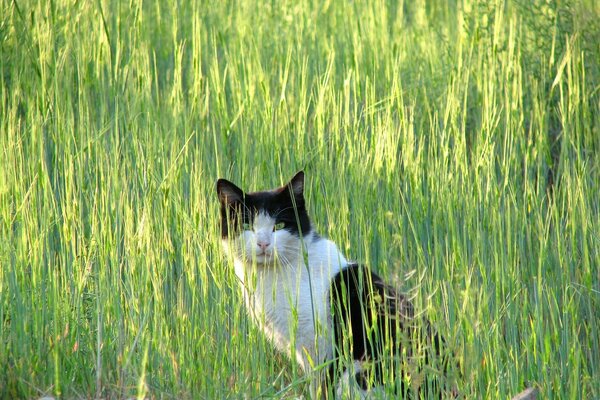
x=453 y=146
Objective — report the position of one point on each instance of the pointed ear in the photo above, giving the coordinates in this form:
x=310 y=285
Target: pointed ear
x=228 y=192
x=297 y=184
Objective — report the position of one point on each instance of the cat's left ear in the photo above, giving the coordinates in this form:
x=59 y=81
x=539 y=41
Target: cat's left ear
x=296 y=185
x=229 y=193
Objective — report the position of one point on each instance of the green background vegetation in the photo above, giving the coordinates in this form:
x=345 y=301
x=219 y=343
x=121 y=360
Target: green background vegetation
x=453 y=146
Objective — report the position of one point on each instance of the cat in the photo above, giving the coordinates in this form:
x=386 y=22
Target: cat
x=336 y=318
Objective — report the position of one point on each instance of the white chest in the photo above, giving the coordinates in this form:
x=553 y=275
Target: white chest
x=290 y=303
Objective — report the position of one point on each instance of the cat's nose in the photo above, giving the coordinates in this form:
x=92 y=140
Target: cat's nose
x=263 y=244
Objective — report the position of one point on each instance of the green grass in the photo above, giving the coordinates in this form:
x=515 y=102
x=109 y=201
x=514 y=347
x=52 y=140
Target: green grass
x=452 y=146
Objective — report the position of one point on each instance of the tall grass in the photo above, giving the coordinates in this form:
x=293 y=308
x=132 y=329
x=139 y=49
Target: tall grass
x=453 y=146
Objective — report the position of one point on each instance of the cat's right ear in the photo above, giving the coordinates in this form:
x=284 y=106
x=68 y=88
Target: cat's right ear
x=296 y=185
x=228 y=192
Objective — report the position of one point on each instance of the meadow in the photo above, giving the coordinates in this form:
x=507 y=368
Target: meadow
x=452 y=146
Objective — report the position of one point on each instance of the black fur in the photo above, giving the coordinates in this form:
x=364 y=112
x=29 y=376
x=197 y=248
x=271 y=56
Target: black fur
x=381 y=322
x=286 y=204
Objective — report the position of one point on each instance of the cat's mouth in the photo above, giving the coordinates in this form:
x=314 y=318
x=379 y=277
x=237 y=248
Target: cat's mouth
x=262 y=257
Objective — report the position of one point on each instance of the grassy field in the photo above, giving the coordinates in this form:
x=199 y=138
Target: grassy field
x=453 y=146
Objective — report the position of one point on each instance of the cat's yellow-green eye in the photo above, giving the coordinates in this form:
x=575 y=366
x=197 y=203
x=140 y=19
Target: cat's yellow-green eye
x=247 y=226
x=279 y=226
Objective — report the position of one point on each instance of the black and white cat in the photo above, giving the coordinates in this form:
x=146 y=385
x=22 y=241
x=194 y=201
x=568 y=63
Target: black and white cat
x=328 y=313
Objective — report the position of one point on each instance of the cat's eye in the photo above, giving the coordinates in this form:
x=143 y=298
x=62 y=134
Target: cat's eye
x=279 y=226
x=247 y=226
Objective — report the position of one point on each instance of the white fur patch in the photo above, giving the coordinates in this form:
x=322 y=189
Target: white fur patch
x=285 y=297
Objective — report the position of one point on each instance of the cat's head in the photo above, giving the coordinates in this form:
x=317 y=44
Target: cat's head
x=261 y=227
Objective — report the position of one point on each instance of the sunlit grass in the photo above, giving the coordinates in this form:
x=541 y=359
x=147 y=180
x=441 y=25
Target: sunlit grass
x=453 y=147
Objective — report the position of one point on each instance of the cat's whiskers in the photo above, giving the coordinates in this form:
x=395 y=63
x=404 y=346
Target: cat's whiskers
x=284 y=262
x=286 y=247
x=281 y=255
